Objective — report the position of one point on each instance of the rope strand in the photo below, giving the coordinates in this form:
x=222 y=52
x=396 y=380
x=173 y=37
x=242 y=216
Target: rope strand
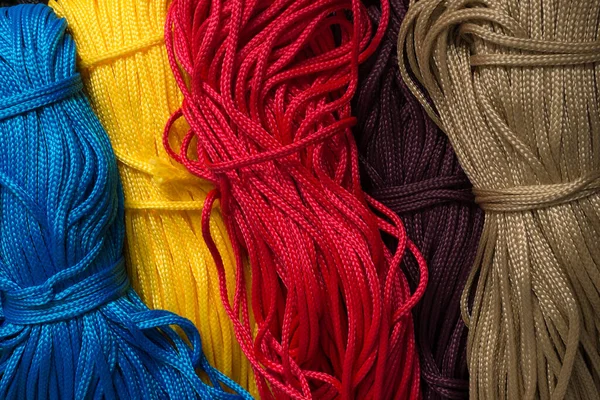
x=267 y=88
x=132 y=89
x=71 y=327
x=516 y=90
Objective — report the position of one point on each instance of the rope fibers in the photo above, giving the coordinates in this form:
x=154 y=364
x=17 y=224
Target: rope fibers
x=515 y=87
x=132 y=89
x=71 y=326
x=409 y=165
x=267 y=89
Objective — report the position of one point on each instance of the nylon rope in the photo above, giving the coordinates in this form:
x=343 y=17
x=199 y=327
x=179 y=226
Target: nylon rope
x=71 y=327
x=408 y=164
x=267 y=88
x=131 y=88
x=516 y=90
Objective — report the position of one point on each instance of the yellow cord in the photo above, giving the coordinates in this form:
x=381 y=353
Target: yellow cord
x=131 y=88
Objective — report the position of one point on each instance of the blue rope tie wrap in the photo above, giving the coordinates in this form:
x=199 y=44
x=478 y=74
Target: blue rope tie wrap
x=32 y=99
x=71 y=327
x=41 y=304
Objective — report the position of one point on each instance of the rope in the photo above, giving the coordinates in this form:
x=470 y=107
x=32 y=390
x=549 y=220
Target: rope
x=267 y=89
x=408 y=164
x=132 y=89
x=71 y=327
x=9 y=3
x=516 y=89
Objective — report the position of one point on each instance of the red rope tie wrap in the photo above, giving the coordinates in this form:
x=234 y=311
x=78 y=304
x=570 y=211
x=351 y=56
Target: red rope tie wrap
x=267 y=88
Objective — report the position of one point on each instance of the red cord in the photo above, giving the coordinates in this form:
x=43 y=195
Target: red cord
x=267 y=88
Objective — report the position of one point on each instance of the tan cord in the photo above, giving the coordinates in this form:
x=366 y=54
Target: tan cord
x=515 y=85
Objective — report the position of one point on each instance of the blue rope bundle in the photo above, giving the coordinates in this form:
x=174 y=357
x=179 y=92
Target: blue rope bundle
x=70 y=325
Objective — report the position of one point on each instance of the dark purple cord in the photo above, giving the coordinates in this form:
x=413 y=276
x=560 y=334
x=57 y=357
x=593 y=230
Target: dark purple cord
x=409 y=165
x=8 y=3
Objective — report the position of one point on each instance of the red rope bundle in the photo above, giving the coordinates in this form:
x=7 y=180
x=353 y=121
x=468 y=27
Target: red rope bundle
x=267 y=88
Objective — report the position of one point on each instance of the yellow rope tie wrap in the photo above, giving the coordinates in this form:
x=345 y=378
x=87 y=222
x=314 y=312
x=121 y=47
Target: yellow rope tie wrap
x=132 y=90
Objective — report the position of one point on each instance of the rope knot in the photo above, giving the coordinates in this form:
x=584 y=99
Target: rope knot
x=48 y=303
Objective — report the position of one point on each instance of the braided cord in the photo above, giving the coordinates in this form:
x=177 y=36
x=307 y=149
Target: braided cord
x=516 y=90
x=267 y=88
x=408 y=164
x=71 y=327
x=132 y=89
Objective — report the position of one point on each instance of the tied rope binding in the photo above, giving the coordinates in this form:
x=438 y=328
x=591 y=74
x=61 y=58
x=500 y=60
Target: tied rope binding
x=71 y=327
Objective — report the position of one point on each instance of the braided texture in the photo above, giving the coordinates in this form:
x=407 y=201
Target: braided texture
x=71 y=326
x=407 y=163
x=131 y=87
x=516 y=89
x=267 y=88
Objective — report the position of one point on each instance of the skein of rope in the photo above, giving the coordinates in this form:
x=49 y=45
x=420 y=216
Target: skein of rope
x=267 y=88
x=409 y=165
x=127 y=76
x=71 y=327
x=515 y=87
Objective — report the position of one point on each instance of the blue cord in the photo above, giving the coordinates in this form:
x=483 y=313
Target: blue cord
x=71 y=327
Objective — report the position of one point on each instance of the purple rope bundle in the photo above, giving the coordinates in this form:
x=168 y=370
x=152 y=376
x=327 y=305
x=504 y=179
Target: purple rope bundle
x=409 y=165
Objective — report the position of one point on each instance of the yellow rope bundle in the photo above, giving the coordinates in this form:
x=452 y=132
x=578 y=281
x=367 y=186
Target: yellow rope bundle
x=125 y=68
x=515 y=85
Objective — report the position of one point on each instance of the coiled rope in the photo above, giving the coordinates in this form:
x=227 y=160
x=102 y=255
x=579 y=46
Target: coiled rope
x=71 y=327
x=515 y=87
x=132 y=89
x=409 y=165
x=267 y=89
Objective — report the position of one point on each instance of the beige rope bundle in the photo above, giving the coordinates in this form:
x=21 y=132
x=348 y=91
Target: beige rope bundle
x=516 y=86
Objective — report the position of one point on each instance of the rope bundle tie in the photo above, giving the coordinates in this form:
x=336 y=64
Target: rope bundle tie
x=89 y=61
x=45 y=303
x=32 y=99
x=431 y=192
x=536 y=197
